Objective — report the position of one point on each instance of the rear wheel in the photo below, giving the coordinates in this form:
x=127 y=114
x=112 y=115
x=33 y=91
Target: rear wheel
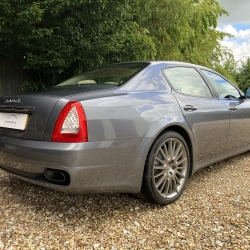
x=167 y=169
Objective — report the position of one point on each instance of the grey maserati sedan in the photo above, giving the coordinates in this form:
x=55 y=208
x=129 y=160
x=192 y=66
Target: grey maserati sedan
x=133 y=127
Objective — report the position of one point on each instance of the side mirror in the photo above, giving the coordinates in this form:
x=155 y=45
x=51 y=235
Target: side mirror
x=247 y=92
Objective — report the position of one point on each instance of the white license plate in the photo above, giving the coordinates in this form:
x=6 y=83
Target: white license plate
x=14 y=121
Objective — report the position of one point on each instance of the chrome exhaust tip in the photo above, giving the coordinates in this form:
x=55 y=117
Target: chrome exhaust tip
x=57 y=176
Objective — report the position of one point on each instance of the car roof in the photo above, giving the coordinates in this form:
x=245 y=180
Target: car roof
x=166 y=63
x=173 y=63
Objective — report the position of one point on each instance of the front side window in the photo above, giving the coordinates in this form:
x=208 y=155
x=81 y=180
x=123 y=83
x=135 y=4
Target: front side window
x=222 y=86
x=188 y=81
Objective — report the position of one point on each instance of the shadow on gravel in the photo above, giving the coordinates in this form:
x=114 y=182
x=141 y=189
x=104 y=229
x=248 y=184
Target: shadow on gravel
x=90 y=210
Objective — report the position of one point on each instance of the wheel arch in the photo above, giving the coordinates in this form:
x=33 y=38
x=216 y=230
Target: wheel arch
x=187 y=136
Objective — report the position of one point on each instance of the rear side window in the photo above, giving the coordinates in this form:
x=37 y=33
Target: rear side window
x=188 y=81
x=224 y=88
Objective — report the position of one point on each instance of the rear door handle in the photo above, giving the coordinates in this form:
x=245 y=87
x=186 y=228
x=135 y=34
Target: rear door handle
x=190 y=108
x=233 y=108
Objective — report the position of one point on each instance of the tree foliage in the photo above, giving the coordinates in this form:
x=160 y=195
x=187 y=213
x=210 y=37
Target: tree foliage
x=58 y=37
x=243 y=73
x=227 y=65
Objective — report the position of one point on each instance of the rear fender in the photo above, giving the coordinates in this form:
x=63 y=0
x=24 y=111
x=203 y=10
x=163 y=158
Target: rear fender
x=159 y=127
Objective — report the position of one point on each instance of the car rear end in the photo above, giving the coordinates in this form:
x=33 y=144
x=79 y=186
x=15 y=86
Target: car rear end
x=44 y=140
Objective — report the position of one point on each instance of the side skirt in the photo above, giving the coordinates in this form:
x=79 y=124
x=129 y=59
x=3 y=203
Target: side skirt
x=202 y=164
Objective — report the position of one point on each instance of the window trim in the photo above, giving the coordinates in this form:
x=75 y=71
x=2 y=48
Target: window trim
x=216 y=92
x=213 y=93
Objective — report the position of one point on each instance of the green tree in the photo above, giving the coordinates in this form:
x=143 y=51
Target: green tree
x=57 y=38
x=184 y=30
x=243 y=75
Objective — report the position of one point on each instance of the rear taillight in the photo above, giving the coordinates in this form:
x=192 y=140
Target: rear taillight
x=71 y=125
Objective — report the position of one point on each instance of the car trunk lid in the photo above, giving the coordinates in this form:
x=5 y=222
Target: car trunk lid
x=34 y=109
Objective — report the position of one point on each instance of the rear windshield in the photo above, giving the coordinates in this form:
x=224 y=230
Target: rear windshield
x=113 y=75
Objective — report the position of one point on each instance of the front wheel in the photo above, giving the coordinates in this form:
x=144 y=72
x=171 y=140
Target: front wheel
x=166 y=170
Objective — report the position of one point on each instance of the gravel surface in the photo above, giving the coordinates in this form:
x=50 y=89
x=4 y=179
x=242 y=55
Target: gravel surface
x=213 y=213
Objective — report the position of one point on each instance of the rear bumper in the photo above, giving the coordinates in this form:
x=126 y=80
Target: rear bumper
x=93 y=167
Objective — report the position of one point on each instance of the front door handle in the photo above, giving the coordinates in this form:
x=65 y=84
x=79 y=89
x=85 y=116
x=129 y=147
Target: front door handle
x=233 y=108
x=190 y=108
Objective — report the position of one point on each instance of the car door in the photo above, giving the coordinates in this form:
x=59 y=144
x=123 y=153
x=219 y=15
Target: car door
x=207 y=116
x=239 y=108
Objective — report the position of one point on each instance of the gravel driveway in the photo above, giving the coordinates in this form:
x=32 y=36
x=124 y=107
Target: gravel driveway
x=213 y=213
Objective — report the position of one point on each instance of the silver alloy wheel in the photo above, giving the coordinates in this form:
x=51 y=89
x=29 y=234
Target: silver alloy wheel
x=170 y=168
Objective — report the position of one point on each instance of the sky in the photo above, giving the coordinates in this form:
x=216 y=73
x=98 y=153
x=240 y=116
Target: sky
x=238 y=24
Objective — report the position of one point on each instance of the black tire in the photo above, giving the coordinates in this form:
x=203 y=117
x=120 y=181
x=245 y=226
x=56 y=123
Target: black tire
x=166 y=172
